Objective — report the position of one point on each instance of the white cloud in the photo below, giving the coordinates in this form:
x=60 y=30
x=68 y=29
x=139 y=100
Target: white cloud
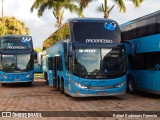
x=43 y=27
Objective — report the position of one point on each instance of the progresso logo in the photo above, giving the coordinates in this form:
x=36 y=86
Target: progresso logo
x=110 y=26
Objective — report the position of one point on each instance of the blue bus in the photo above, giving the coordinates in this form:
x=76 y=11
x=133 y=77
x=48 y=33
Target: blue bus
x=87 y=58
x=16 y=59
x=142 y=41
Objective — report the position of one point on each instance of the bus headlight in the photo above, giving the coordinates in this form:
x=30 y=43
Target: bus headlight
x=4 y=76
x=120 y=84
x=80 y=85
x=27 y=76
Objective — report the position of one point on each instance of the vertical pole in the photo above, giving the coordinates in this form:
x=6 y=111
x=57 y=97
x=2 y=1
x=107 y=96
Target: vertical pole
x=2 y=8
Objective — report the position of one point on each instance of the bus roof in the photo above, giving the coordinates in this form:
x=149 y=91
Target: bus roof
x=9 y=36
x=88 y=19
x=141 y=18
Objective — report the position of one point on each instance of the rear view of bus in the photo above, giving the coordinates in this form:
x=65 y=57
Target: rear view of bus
x=16 y=59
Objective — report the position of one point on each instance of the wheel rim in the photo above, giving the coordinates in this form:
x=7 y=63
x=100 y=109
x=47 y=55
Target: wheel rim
x=131 y=85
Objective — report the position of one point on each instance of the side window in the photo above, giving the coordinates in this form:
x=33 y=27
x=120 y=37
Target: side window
x=152 y=60
x=145 y=61
x=138 y=62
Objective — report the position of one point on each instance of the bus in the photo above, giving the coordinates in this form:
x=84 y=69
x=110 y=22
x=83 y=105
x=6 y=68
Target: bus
x=16 y=59
x=142 y=41
x=87 y=58
x=38 y=62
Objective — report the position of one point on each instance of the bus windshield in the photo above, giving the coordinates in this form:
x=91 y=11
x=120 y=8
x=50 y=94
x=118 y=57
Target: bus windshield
x=16 y=63
x=105 y=61
x=16 y=43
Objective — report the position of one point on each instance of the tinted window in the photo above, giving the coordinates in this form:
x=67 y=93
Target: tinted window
x=142 y=27
x=96 y=32
x=144 y=61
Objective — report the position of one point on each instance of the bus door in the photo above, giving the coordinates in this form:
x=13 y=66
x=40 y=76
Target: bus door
x=57 y=67
x=55 y=71
x=50 y=74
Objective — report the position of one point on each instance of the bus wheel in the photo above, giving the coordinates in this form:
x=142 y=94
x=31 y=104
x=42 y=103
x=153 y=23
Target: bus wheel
x=4 y=84
x=62 y=86
x=130 y=84
x=46 y=77
x=58 y=84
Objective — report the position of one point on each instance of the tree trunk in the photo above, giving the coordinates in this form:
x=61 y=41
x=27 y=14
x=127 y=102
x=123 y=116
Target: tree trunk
x=106 y=15
x=59 y=22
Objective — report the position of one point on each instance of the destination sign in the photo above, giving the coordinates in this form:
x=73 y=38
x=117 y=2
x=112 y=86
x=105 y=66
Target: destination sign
x=87 y=50
x=16 y=43
x=99 y=41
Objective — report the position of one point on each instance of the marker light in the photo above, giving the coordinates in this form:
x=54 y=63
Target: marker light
x=27 y=76
x=80 y=85
x=4 y=76
x=120 y=84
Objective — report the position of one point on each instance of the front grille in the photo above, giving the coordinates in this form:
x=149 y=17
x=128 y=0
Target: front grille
x=100 y=88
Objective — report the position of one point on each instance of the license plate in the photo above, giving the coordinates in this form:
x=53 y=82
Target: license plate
x=16 y=79
x=102 y=93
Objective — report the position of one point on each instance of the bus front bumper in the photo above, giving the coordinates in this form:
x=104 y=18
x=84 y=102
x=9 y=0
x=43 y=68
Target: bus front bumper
x=95 y=95
x=16 y=77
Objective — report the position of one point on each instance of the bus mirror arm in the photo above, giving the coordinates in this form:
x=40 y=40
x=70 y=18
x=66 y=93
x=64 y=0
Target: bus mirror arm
x=132 y=47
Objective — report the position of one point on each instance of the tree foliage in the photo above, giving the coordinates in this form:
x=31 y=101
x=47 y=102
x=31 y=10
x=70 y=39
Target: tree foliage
x=59 y=6
x=61 y=33
x=38 y=50
x=11 y=25
x=121 y=4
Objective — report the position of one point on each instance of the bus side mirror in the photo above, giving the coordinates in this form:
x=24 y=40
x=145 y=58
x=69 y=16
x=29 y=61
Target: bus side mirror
x=132 y=47
x=69 y=50
x=34 y=55
x=50 y=63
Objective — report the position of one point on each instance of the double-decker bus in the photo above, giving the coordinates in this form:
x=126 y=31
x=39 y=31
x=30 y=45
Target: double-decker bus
x=16 y=59
x=142 y=38
x=89 y=60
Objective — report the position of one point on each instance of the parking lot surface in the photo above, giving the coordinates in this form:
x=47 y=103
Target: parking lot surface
x=40 y=97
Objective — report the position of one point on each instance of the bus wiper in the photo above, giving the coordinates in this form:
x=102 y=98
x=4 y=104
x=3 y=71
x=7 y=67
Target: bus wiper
x=94 y=72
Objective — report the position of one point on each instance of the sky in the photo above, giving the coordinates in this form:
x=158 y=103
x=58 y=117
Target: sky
x=42 y=27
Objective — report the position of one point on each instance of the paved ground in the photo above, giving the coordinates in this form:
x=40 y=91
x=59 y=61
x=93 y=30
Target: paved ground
x=40 y=97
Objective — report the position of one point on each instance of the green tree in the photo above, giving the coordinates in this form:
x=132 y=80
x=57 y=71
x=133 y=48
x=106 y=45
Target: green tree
x=11 y=25
x=57 y=6
x=38 y=50
x=82 y=5
x=121 y=4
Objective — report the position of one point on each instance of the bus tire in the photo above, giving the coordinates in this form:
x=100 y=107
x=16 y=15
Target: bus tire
x=4 y=84
x=29 y=84
x=130 y=84
x=46 y=77
x=62 y=86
